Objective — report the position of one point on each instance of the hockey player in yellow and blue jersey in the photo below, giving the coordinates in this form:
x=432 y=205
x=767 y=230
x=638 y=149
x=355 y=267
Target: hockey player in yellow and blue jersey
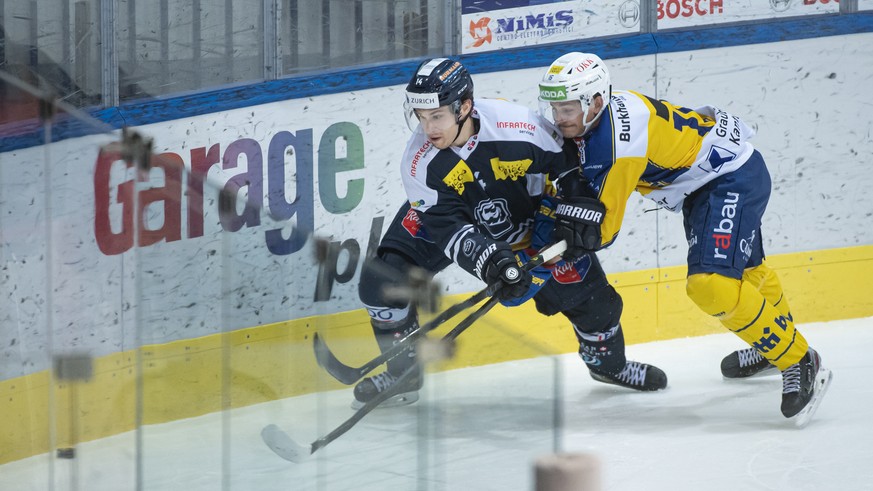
x=698 y=162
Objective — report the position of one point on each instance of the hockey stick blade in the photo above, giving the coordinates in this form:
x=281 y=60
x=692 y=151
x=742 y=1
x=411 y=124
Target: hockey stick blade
x=284 y=446
x=349 y=375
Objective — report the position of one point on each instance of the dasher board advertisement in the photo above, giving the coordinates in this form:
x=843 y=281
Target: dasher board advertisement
x=687 y=13
x=488 y=25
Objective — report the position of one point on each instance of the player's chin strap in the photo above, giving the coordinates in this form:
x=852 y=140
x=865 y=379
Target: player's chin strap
x=461 y=121
x=586 y=127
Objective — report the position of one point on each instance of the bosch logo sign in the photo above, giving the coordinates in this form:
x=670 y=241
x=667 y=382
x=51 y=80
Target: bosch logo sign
x=780 y=5
x=629 y=13
x=689 y=8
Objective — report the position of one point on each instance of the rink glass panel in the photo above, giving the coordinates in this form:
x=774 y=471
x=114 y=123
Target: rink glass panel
x=254 y=366
x=68 y=363
x=99 y=54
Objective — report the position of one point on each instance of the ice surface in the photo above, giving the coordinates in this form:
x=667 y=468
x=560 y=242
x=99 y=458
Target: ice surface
x=483 y=427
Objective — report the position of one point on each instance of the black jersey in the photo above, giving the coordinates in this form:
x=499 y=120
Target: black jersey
x=490 y=188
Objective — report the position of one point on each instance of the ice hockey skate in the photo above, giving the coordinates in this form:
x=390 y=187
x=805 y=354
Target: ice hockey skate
x=635 y=375
x=746 y=363
x=803 y=387
x=370 y=387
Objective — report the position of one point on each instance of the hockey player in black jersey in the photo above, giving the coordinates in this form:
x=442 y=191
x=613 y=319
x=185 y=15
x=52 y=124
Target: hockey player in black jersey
x=701 y=163
x=476 y=174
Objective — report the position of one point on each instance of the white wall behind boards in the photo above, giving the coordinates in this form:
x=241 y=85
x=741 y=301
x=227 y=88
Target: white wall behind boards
x=687 y=13
x=330 y=162
x=809 y=103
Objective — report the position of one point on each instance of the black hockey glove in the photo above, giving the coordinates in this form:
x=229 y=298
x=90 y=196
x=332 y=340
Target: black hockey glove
x=502 y=267
x=577 y=220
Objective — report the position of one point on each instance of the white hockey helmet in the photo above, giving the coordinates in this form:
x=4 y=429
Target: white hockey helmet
x=575 y=77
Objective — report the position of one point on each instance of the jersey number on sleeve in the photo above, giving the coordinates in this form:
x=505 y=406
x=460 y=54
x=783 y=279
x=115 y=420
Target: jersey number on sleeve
x=680 y=121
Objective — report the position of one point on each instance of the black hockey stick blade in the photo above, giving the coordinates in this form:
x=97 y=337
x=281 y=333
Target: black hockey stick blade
x=349 y=375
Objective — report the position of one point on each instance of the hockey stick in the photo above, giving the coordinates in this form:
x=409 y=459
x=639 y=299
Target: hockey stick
x=349 y=375
x=284 y=446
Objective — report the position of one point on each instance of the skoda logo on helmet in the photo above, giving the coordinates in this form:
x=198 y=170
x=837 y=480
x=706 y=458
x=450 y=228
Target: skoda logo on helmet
x=553 y=93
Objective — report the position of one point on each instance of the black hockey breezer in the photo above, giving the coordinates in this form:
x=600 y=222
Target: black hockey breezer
x=745 y=363
x=635 y=375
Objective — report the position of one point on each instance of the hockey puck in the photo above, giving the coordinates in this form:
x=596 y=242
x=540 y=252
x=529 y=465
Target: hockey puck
x=66 y=453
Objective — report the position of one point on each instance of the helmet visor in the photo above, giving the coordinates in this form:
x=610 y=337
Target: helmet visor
x=558 y=112
x=432 y=121
x=418 y=101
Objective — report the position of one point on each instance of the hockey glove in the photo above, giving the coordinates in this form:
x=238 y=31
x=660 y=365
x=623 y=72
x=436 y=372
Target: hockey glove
x=577 y=220
x=544 y=223
x=502 y=267
x=539 y=276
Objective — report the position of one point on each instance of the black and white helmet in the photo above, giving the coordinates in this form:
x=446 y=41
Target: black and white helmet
x=437 y=82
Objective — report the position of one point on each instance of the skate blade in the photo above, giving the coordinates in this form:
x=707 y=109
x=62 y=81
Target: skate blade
x=403 y=399
x=822 y=383
x=767 y=372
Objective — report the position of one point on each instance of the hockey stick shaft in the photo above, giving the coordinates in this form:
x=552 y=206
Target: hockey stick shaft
x=349 y=375
x=288 y=449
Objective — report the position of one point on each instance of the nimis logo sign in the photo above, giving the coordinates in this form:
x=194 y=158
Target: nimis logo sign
x=480 y=32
